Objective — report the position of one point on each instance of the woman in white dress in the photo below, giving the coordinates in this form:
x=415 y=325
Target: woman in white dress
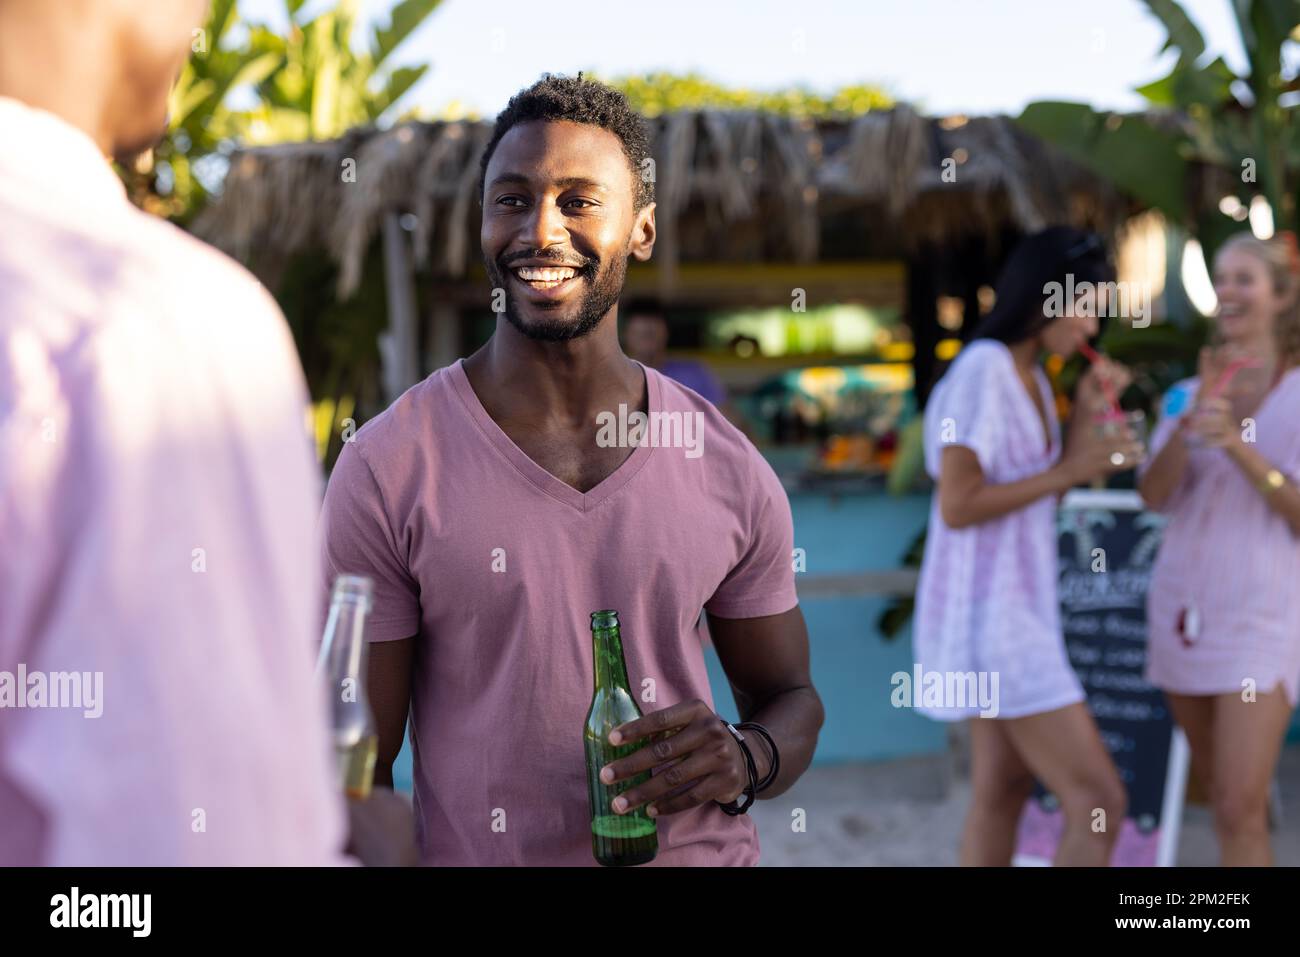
x=987 y=598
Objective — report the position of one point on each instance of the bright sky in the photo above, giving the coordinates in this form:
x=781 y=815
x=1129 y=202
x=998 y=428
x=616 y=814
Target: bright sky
x=945 y=56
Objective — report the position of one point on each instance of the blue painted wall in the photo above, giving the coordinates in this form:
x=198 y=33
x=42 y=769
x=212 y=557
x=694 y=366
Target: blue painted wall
x=851 y=662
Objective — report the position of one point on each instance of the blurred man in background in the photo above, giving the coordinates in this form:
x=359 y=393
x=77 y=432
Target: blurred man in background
x=158 y=492
x=645 y=339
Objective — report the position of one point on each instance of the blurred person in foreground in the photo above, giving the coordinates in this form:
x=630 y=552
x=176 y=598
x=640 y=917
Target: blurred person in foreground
x=494 y=518
x=645 y=339
x=987 y=599
x=1224 y=603
x=158 y=494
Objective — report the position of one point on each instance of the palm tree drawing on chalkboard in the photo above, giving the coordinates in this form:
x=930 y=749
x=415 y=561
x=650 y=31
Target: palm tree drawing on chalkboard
x=1079 y=523
x=1151 y=525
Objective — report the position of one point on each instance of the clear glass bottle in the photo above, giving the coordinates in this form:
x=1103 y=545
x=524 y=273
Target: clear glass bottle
x=342 y=666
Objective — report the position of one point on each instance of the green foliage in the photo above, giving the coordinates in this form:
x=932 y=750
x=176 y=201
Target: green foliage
x=656 y=93
x=1245 y=124
x=895 y=616
x=200 y=119
x=321 y=85
x=1183 y=34
x=1130 y=152
x=337 y=341
x=309 y=84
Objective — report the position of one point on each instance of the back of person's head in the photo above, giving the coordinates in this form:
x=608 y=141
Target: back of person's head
x=645 y=329
x=1281 y=259
x=1038 y=260
x=106 y=66
x=643 y=307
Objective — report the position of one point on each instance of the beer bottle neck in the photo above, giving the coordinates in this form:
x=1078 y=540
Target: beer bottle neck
x=344 y=652
x=607 y=651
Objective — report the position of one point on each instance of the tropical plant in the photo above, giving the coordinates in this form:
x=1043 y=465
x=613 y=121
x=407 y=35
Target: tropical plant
x=308 y=84
x=322 y=85
x=657 y=93
x=1209 y=126
x=169 y=182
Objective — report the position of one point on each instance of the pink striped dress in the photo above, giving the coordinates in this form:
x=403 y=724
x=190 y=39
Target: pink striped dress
x=1224 y=602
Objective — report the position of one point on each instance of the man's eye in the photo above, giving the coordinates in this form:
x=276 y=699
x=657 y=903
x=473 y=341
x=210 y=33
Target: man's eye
x=580 y=203
x=510 y=201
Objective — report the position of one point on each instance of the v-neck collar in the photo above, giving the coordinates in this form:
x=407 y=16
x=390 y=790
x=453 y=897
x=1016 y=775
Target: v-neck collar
x=534 y=473
x=1279 y=383
x=1045 y=423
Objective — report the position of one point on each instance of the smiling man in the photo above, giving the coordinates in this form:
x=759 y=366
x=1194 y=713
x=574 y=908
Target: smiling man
x=494 y=520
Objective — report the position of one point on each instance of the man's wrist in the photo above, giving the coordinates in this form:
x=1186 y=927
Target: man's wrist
x=758 y=748
x=758 y=753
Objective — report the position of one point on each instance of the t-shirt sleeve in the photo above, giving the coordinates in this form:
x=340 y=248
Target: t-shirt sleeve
x=357 y=538
x=762 y=582
x=968 y=410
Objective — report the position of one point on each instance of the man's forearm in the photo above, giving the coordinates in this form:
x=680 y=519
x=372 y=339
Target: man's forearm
x=383 y=773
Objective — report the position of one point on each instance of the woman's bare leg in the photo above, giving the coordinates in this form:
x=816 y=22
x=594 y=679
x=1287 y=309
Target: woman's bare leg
x=1195 y=715
x=1247 y=742
x=1000 y=785
x=1065 y=751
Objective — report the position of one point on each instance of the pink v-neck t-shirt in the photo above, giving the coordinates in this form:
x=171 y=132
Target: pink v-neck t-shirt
x=495 y=566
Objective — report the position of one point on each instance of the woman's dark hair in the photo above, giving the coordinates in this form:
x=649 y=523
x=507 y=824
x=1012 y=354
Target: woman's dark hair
x=1039 y=259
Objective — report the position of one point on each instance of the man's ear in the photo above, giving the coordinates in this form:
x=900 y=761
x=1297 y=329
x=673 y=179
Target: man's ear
x=643 y=234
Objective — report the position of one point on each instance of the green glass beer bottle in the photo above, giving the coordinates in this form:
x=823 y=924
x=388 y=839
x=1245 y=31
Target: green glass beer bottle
x=617 y=840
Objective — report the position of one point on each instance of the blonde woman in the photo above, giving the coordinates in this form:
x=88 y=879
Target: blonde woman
x=1224 y=602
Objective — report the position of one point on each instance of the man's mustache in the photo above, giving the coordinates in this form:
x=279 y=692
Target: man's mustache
x=582 y=264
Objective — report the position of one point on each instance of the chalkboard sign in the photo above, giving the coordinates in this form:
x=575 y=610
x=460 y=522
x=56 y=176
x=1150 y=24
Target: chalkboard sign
x=1107 y=546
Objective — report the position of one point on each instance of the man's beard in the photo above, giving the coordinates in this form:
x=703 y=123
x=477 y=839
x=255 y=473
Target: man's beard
x=601 y=289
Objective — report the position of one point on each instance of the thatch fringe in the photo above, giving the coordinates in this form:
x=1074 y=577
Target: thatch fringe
x=900 y=134
x=729 y=185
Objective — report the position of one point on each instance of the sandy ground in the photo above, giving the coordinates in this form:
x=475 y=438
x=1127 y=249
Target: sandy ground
x=909 y=813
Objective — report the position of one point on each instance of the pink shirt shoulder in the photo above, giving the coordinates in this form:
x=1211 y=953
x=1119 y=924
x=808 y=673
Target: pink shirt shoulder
x=157 y=513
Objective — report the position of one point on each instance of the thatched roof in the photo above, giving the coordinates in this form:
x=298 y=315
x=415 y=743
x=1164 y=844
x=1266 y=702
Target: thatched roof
x=731 y=186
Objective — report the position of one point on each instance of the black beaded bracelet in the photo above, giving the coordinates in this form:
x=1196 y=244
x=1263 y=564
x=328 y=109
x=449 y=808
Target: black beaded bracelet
x=775 y=769
x=732 y=807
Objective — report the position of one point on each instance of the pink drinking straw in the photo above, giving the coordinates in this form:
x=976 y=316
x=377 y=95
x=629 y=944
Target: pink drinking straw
x=1233 y=368
x=1112 y=399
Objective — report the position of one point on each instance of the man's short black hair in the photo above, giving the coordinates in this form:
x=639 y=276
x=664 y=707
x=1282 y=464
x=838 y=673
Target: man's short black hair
x=578 y=100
